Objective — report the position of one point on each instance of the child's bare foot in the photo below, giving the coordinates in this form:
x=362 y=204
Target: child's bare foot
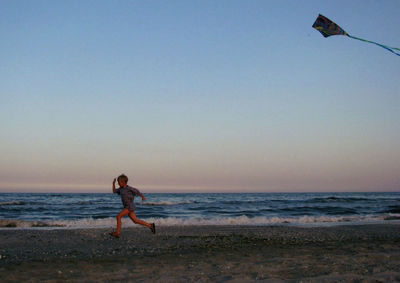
x=153 y=228
x=114 y=234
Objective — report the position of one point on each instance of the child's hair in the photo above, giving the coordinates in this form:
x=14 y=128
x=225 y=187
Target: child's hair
x=123 y=178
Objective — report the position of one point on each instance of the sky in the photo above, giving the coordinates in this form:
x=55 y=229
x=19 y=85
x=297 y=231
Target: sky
x=198 y=96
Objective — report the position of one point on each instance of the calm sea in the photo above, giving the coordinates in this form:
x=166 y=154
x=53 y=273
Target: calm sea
x=99 y=210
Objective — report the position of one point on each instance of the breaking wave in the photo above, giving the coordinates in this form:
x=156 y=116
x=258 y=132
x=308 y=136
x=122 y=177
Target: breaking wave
x=178 y=221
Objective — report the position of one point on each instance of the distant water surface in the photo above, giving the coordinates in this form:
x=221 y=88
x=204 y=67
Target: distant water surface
x=99 y=210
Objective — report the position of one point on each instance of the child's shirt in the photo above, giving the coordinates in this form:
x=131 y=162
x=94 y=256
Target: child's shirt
x=127 y=196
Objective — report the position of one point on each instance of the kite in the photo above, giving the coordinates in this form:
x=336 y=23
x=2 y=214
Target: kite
x=327 y=28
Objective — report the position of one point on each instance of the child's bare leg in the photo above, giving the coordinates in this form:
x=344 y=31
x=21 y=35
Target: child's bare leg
x=123 y=213
x=135 y=220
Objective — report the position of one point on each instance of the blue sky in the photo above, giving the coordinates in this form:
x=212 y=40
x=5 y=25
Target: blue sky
x=198 y=96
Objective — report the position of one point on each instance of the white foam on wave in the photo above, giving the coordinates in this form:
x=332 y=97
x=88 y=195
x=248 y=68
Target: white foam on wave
x=244 y=220
x=176 y=221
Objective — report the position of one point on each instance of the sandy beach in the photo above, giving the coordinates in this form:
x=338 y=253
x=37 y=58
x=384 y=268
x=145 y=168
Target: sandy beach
x=358 y=253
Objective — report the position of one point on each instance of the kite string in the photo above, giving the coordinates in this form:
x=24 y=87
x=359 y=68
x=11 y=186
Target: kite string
x=381 y=45
x=395 y=48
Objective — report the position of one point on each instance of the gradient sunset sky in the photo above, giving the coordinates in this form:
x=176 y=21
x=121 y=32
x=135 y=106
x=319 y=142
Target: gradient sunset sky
x=199 y=96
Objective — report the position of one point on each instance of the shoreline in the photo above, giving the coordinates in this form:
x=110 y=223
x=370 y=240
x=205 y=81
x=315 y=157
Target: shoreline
x=203 y=253
x=242 y=221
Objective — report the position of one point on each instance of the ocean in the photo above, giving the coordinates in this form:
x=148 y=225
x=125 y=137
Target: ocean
x=40 y=210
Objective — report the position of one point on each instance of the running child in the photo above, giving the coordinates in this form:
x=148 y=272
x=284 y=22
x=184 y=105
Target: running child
x=128 y=194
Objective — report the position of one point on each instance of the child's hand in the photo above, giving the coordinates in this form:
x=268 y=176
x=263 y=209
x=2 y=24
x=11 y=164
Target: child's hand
x=114 y=181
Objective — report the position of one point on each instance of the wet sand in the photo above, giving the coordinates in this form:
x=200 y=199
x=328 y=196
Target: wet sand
x=361 y=253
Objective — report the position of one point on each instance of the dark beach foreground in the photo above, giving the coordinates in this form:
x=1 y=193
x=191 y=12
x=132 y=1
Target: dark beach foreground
x=360 y=253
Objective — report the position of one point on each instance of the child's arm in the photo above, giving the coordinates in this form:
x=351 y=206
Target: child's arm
x=113 y=187
x=138 y=193
x=141 y=195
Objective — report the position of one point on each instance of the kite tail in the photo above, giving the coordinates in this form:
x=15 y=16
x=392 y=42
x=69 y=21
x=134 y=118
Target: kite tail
x=381 y=45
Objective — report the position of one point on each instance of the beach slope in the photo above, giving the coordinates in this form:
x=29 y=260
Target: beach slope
x=362 y=253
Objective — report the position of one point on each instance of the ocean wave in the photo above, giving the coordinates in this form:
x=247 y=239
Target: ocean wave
x=177 y=221
x=337 y=199
x=12 y=203
x=258 y=220
x=393 y=209
x=324 y=209
x=84 y=202
x=163 y=203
